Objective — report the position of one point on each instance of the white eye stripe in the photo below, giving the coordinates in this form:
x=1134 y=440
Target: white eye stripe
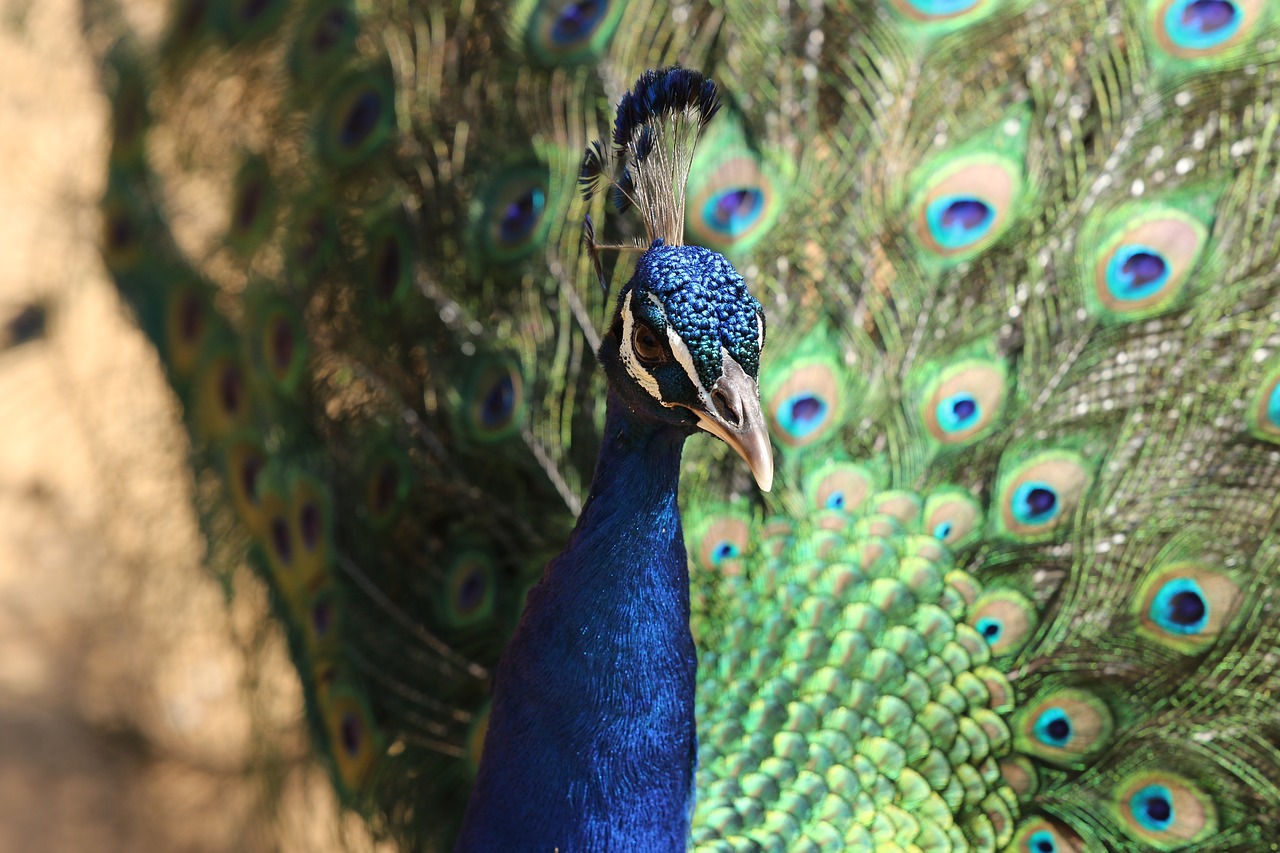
x=685 y=358
x=626 y=351
x=679 y=349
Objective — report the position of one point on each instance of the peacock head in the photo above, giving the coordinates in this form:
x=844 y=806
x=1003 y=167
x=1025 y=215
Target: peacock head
x=684 y=350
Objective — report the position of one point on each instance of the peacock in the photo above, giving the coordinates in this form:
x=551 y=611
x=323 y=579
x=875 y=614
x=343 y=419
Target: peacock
x=1004 y=577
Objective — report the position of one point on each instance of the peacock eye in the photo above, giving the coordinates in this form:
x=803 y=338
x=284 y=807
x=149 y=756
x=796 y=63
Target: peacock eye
x=646 y=346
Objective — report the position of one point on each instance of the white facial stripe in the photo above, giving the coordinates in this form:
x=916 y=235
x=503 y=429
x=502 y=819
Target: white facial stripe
x=685 y=358
x=628 y=353
x=759 y=333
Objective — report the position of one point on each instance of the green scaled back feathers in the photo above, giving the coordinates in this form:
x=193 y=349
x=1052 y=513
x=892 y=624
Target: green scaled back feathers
x=1016 y=586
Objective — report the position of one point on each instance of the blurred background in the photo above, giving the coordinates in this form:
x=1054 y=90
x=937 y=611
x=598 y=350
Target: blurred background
x=145 y=704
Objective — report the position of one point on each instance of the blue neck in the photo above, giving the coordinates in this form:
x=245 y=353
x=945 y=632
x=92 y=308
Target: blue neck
x=591 y=743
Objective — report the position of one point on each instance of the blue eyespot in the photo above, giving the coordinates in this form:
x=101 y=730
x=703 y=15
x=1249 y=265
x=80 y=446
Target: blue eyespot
x=1136 y=272
x=733 y=211
x=281 y=541
x=565 y=32
x=723 y=551
x=957 y=221
x=802 y=414
x=1273 y=406
x=352 y=733
x=1180 y=607
x=936 y=8
x=499 y=402
x=1035 y=503
x=576 y=21
x=1152 y=807
x=990 y=629
x=1042 y=842
x=495 y=406
x=250 y=11
x=942 y=531
x=322 y=618
x=471 y=590
x=835 y=500
x=332 y=28
x=361 y=119
x=513 y=219
x=521 y=214
x=1053 y=728
x=1201 y=24
x=958 y=412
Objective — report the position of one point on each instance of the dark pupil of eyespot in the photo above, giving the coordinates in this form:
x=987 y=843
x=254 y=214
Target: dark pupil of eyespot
x=806 y=408
x=472 y=590
x=1041 y=501
x=969 y=212
x=247 y=210
x=251 y=10
x=190 y=15
x=280 y=539
x=1186 y=608
x=351 y=734
x=190 y=318
x=576 y=19
x=1159 y=809
x=310 y=524
x=1059 y=729
x=249 y=476
x=229 y=389
x=320 y=617
x=282 y=344
x=1144 y=268
x=328 y=31
x=521 y=215
x=1209 y=14
x=119 y=231
x=361 y=118
x=499 y=401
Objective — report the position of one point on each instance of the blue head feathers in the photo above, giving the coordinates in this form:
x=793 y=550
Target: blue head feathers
x=703 y=299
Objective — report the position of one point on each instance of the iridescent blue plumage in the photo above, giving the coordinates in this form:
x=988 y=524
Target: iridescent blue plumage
x=705 y=301
x=601 y=670
x=599 y=673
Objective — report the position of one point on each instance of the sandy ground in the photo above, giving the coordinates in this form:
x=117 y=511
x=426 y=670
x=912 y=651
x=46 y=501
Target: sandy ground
x=141 y=706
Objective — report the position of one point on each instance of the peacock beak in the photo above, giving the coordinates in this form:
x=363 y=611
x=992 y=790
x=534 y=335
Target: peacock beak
x=736 y=418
